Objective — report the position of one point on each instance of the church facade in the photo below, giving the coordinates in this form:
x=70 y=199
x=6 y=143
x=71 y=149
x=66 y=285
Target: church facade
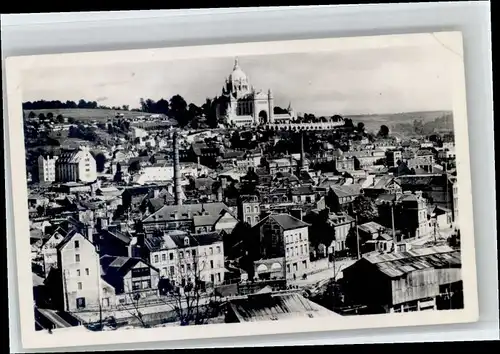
x=246 y=106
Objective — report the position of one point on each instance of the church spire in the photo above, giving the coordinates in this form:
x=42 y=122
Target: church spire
x=236 y=64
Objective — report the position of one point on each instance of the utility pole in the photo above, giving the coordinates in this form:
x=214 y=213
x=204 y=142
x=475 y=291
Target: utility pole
x=357 y=236
x=393 y=227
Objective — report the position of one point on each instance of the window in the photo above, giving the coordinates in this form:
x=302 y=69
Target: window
x=218 y=250
x=193 y=253
x=77 y=244
x=301 y=249
x=186 y=241
x=163 y=257
x=212 y=264
x=146 y=284
x=87 y=271
x=300 y=236
x=248 y=209
x=105 y=301
x=188 y=267
x=249 y=219
x=78 y=272
x=136 y=285
x=182 y=268
x=218 y=277
x=156 y=258
x=256 y=209
x=80 y=286
x=77 y=258
x=181 y=254
x=171 y=255
x=172 y=271
x=211 y=250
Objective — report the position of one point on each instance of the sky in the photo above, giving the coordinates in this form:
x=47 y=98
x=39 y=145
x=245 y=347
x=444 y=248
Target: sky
x=362 y=81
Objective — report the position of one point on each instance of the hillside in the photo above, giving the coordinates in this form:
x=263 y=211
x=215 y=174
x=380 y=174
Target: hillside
x=86 y=113
x=398 y=122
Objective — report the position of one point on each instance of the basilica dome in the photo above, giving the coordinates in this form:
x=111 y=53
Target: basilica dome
x=237 y=74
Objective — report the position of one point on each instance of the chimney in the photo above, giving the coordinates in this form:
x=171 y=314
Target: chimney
x=90 y=233
x=177 y=172
x=302 y=157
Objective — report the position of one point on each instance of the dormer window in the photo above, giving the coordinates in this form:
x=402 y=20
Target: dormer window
x=186 y=241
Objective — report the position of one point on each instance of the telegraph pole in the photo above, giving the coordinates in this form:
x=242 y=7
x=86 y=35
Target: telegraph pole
x=393 y=227
x=357 y=236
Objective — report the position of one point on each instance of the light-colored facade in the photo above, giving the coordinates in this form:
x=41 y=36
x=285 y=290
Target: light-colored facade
x=76 y=166
x=47 y=168
x=154 y=174
x=249 y=210
x=188 y=260
x=247 y=106
x=81 y=274
x=297 y=252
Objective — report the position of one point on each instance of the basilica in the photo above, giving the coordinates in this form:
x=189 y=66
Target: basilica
x=246 y=106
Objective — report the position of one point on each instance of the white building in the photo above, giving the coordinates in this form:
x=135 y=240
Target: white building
x=183 y=257
x=149 y=174
x=76 y=166
x=248 y=106
x=47 y=168
x=78 y=261
x=282 y=235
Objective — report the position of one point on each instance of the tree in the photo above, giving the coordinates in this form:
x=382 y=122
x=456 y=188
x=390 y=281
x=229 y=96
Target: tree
x=41 y=116
x=365 y=209
x=320 y=231
x=100 y=161
x=31 y=115
x=361 y=127
x=383 y=132
x=178 y=110
x=187 y=294
x=71 y=120
x=60 y=118
x=348 y=123
x=50 y=115
x=125 y=107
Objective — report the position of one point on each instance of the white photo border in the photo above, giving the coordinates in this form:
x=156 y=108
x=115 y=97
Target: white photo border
x=41 y=339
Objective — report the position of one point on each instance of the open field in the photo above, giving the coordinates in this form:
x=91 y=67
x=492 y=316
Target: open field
x=374 y=121
x=85 y=113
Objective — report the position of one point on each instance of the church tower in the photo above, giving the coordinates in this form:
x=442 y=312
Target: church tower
x=270 y=100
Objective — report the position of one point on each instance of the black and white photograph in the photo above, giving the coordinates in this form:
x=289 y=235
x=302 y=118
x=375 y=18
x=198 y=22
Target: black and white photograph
x=319 y=184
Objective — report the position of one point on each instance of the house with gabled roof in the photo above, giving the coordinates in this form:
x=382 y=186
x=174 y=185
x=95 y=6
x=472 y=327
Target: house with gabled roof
x=79 y=271
x=282 y=235
x=125 y=279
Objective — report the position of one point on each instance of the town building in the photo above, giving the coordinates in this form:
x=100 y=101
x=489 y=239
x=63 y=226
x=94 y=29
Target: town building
x=47 y=168
x=392 y=157
x=76 y=166
x=183 y=257
x=404 y=281
x=282 y=235
x=249 y=209
x=78 y=263
x=342 y=224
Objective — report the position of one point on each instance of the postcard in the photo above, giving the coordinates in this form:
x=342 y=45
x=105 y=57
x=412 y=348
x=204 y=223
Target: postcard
x=241 y=189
